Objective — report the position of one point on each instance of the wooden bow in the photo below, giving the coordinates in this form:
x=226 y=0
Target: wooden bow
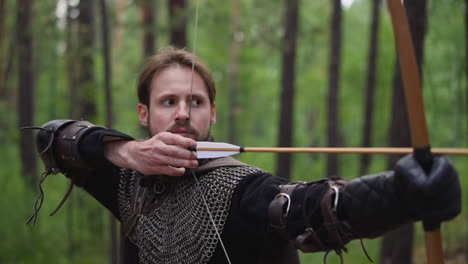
x=415 y=108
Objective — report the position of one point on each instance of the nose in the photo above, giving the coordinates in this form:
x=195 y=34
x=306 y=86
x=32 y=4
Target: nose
x=183 y=112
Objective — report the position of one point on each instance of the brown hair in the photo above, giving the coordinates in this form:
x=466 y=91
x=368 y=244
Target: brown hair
x=168 y=57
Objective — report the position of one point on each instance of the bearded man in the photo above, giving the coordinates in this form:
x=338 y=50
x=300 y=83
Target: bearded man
x=177 y=209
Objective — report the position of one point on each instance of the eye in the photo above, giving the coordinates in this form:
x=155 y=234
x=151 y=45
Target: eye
x=196 y=102
x=169 y=102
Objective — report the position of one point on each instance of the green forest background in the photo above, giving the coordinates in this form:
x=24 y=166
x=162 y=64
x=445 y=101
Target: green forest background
x=80 y=231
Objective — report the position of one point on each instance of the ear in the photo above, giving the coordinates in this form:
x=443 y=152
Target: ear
x=143 y=114
x=213 y=114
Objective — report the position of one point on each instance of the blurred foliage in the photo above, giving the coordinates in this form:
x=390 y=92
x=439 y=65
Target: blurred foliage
x=261 y=29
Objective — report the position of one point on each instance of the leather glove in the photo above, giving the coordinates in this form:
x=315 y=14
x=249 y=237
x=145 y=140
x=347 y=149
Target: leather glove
x=433 y=198
x=375 y=204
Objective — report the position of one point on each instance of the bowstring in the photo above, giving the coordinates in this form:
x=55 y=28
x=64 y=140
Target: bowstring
x=197 y=184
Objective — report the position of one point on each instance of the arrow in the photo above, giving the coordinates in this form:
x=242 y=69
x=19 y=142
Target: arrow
x=209 y=150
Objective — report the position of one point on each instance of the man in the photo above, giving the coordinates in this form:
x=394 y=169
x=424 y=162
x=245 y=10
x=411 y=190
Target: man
x=177 y=209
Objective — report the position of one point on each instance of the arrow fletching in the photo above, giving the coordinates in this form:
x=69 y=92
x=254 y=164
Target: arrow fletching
x=210 y=150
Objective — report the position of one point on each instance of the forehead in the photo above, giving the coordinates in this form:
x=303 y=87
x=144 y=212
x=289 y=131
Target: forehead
x=176 y=80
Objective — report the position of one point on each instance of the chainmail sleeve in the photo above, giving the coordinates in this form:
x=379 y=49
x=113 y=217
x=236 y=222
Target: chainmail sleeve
x=125 y=192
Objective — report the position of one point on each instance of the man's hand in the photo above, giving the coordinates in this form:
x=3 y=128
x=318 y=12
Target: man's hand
x=435 y=197
x=165 y=153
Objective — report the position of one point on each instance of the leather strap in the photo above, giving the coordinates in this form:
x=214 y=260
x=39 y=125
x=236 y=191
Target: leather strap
x=329 y=205
x=279 y=208
x=216 y=163
x=67 y=144
x=138 y=202
x=337 y=232
x=309 y=241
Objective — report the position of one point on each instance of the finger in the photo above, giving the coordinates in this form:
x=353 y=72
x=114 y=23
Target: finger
x=176 y=161
x=169 y=170
x=175 y=146
x=178 y=140
x=162 y=151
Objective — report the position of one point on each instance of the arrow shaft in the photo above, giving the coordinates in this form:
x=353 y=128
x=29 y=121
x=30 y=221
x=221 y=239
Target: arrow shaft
x=445 y=151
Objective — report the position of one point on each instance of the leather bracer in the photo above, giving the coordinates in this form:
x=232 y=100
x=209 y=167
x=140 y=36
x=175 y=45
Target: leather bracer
x=306 y=215
x=59 y=143
x=60 y=146
x=325 y=215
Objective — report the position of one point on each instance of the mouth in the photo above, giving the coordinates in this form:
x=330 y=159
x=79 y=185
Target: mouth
x=182 y=132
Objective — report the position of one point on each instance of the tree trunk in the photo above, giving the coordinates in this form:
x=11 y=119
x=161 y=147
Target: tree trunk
x=6 y=94
x=397 y=245
x=466 y=51
x=287 y=83
x=117 y=37
x=106 y=51
x=6 y=59
x=106 y=54
x=370 y=85
x=70 y=57
x=178 y=22
x=48 y=58
x=24 y=41
x=149 y=39
x=392 y=250
x=3 y=46
x=91 y=216
x=85 y=61
x=147 y=17
x=333 y=92
x=2 y=22
x=395 y=249
x=70 y=40
x=234 y=76
x=118 y=27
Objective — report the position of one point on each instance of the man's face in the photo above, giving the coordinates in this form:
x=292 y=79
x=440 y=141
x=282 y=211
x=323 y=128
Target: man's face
x=170 y=104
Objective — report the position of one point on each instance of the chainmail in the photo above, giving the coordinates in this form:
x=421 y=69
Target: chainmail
x=178 y=228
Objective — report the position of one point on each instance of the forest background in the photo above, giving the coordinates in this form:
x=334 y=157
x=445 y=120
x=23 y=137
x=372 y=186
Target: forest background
x=289 y=73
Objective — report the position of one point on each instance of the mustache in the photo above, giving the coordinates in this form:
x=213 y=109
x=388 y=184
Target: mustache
x=183 y=125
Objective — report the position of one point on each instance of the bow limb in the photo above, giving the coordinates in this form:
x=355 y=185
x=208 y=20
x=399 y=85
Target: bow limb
x=415 y=109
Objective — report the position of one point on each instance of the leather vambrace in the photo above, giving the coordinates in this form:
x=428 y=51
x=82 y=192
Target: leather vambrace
x=59 y=146
x=327 y=214
x=306 y=215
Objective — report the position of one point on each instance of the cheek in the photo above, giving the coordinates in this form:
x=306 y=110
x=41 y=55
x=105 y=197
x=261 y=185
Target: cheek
x=161 y=118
